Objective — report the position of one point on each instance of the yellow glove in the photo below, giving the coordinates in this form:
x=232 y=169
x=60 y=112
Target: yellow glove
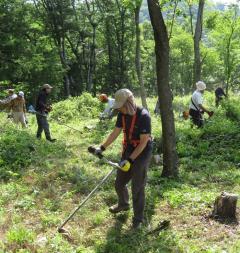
x=126 y=165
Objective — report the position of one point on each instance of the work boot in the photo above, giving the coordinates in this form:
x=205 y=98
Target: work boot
x=51 y=140
x=136 y=225
x=118 y=209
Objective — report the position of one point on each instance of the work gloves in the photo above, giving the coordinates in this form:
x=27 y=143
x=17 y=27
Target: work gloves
x=210 y=114
x=126 y=164
x=98 y=151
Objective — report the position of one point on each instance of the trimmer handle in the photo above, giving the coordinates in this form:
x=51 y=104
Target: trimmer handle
x=92 y=150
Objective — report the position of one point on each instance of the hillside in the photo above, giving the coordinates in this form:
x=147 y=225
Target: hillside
x=41 y=183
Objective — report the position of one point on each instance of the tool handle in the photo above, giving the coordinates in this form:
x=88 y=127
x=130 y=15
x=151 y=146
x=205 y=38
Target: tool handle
x=86 y=199
x=92 y=150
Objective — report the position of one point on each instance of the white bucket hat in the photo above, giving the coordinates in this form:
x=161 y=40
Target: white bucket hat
x=21 y=94
x=201 y=85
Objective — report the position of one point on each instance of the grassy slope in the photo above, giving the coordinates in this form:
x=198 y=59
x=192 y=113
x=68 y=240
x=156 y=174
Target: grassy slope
x=44 y=182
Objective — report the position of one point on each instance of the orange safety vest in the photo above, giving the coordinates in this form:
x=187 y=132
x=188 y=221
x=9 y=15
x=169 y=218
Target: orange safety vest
x=129 y=140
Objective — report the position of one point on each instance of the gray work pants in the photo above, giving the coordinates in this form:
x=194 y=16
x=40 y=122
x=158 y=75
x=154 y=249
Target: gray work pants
x=43 y=126
x=138 y=176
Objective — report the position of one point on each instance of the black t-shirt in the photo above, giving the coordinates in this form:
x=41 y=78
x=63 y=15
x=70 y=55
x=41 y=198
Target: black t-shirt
x=219 y=92
x=142 y=124
x=41 y=101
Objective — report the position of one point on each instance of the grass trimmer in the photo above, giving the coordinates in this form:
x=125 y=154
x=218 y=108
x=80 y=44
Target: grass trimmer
x=58 y=120
x=114 y=165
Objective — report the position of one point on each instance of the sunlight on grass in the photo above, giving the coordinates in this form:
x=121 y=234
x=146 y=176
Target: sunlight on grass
x=42 y=183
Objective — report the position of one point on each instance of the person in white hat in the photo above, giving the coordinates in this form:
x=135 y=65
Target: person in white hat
x=135 y=122
x=42 y=110
x=18 y=107
x=196 y=108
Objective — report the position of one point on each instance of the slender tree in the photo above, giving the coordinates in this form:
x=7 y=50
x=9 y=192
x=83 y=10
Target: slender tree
x=197 y=39
x=197 y=35
x=170 y=158
x=92 y=44
x=56 y=22
x=138 y=52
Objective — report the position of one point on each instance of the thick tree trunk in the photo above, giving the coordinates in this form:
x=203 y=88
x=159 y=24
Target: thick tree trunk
x=225 y=206
x=197 y=39
x=164 y=92
x=138 y=58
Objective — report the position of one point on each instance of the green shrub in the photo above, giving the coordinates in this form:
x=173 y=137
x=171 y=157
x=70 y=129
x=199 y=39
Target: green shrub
x=232 y=109
x=77 y=107
x=16 y=150
x=20 y=236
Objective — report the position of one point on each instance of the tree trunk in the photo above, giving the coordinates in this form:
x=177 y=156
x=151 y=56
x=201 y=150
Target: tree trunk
x=67 y=85
x=170 y=158
x=197 y=39
x=111 y=75
x=225 y=206
x=122 y=77
x=92 y=59
x=228 y=64
x=138 y=58
x=65 y=67
x=92 y=46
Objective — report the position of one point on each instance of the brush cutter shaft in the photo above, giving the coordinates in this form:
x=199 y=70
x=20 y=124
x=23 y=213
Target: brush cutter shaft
x=87 y=198
x=38 y=113
x=114 y=165
x=92 y=150
x=60 y=123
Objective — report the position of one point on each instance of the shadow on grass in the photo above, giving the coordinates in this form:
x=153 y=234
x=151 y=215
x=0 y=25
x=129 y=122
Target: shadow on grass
x=119 y=239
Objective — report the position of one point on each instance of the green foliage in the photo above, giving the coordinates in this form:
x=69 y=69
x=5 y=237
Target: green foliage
x=16 y=152
x=224 y=38
x=28 y=58
x=181 y=61
x=96 y=52
x=232 y=109
x=20 y=236
x=81 y=107
x=48 y=189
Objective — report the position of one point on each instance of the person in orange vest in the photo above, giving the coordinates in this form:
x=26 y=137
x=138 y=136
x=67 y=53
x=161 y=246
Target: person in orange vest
x=135 y=122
